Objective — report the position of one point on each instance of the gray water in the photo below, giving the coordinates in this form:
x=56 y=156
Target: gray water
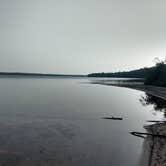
x=58 y=122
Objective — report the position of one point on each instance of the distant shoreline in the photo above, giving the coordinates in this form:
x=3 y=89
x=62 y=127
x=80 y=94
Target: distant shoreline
x=38 y=74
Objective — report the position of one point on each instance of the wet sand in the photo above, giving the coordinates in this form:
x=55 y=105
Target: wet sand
x=154 y=148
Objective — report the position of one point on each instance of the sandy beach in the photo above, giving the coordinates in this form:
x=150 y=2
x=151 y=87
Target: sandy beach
x=154 y=148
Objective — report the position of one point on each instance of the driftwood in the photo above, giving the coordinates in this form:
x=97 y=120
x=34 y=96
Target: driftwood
x=158 y=121
x=138 y=134
x=112 y=118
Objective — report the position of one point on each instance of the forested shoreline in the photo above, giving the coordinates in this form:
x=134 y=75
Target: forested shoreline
x=155 y=75
x=140 y=73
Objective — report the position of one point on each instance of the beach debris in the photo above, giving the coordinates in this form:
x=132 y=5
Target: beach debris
x=142 y=135
x=113 y=118
x=157 y=121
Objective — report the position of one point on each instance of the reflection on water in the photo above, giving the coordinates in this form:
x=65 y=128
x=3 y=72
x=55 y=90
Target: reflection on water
x=158 y=103
x=117 y=81
x=154 y=145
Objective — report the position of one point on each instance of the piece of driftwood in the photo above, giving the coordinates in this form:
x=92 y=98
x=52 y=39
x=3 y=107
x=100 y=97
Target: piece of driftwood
x=139 y=134
x=158 y=121
x=112 y=118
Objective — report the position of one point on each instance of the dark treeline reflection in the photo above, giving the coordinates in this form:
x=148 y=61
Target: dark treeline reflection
x=158 y=103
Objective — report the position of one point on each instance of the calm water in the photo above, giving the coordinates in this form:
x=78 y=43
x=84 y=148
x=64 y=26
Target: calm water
x=58 y=122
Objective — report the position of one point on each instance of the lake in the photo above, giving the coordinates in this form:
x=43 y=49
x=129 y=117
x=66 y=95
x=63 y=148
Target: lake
x=59 y=121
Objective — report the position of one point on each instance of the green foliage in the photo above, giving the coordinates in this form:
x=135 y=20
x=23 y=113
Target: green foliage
x=157 y=75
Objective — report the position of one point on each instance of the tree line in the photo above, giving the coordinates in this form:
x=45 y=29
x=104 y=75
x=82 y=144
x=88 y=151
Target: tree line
x=155 y=75
x=140 y=73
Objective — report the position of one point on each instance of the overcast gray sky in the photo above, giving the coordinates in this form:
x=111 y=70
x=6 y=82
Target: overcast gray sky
x=81 y=36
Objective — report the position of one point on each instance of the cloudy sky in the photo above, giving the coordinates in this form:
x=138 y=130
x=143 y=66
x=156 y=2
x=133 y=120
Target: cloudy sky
x=81 y=36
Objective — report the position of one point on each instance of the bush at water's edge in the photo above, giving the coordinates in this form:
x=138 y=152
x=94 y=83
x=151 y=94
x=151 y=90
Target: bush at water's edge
x=157 y=75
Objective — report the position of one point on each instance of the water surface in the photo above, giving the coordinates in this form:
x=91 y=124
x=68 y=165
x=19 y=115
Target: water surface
x=59 y=122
